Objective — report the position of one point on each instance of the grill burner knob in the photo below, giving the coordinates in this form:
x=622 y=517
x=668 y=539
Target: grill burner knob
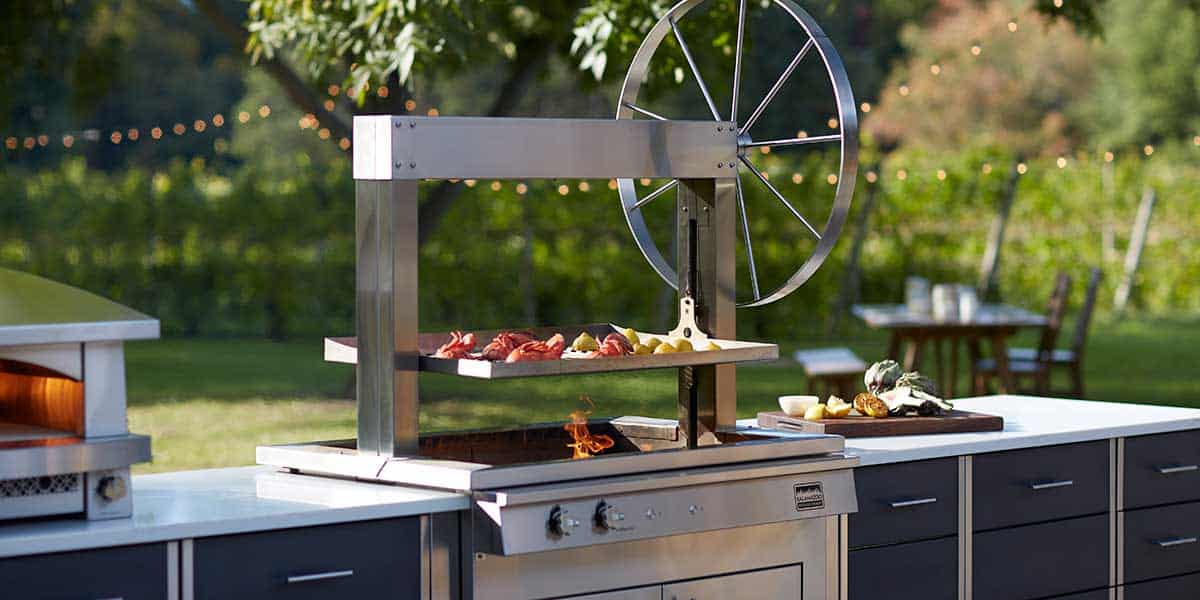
x=608 y=517
x=559 y=523
x=111 y=488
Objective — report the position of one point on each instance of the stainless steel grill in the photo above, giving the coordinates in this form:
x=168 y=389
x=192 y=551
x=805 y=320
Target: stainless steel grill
x=64 y=443
x=674 y=506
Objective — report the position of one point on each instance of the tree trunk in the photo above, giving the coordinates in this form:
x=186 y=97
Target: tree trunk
x=991 y=257
x=1133 y=257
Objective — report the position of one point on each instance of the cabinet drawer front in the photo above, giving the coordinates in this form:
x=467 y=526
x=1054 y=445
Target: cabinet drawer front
x=1174 y=588
x=128 y=572
x=1162 y=469
x=905 y=502
x=1092 y=595
x=1040 y=484
x=354 y=560
x=920 y=571
x=1162 y=541
x=1035 y=561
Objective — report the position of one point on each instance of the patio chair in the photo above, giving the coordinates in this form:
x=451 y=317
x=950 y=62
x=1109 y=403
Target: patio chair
x=1071 y=358
x=836 y=369
x=1037 y=370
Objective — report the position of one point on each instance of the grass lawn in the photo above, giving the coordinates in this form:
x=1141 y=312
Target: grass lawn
x=208 y=403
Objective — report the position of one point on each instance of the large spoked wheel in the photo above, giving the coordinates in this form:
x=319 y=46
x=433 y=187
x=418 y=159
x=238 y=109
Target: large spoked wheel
x=846 y=138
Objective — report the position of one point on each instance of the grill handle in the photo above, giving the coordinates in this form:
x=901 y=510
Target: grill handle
x=917 y=502
x=1179 y=541
x=1049 y=485
x=320 y=576
x=1177 y=469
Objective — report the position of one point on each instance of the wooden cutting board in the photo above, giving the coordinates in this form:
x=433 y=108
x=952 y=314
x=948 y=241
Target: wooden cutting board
x=955 y=421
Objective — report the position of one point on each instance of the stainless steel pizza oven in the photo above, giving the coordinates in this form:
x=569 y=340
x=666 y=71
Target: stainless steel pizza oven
x=65 y=448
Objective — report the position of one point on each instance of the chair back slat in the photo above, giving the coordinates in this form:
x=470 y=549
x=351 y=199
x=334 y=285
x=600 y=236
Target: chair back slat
x=1056 y=309
x=1084 y=321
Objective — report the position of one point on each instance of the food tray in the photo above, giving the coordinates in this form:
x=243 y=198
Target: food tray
x=955 y=421
x=345 y=350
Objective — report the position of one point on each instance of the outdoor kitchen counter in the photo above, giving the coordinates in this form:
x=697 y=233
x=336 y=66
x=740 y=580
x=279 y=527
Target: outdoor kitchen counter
x=1029 y=422
x=194 y=504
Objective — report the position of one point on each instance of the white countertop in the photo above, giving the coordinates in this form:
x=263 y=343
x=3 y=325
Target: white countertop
x=1028 y=422
x=187 y=504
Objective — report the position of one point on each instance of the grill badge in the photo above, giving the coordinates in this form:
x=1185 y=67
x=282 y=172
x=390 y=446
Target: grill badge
x=809 y=496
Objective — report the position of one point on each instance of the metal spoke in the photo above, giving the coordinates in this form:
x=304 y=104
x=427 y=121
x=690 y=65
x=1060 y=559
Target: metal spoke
x=789 y=206
x=638 y=109
x=687 y=54
x=818 y=139
x=737 y=65
x=656 y=193
x=749 y=246
x=775 y=88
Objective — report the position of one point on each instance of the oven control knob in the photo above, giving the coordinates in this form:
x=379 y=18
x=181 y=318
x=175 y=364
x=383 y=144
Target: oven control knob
x=560 y=523
x=112 y=488
x=610 y=518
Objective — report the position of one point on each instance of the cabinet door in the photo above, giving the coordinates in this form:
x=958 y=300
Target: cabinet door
x=917 y=571
x=128 y=572
x=769 y=584
x=367 y=559
x=1019 y=487
x=1036 y=561
x=1162 y=541
x=905 y=502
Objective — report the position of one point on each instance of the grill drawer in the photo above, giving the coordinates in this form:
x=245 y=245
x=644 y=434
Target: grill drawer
x=1174 y=588
x=367 y=559
x=128 y=572
x=1162 y=541
x=1041 y=560
x=905 y=502
x=1162 y=469
x=1040 y=484
x=917 y=571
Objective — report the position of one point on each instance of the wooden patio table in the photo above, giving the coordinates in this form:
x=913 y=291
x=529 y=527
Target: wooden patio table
x=994 y=323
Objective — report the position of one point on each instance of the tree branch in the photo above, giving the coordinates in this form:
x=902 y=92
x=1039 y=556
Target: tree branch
x=299 y=91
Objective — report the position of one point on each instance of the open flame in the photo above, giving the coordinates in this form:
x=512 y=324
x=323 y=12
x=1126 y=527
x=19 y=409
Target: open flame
x=585 y=443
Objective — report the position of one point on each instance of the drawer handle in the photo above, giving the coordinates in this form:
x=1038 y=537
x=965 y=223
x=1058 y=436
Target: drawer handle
x=320 y=576
x=1179 y=469
x=918 y=502
x=1049 y=485
x=1179 y=541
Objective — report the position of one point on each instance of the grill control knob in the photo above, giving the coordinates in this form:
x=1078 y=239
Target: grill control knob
x=559 y=523
x=610 y=518
x=112 y=488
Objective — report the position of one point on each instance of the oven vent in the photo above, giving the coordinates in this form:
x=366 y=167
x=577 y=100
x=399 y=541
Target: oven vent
x=39 y=486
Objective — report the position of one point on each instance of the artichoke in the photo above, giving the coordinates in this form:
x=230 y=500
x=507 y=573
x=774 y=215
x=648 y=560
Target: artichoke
x=917 y=381
x=882 y=376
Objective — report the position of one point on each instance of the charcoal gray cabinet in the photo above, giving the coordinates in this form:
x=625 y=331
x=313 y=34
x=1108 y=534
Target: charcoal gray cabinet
x=1036 y=561
x=1172 y=588
x=129 y=572
x=918 y=571
x=365 y=559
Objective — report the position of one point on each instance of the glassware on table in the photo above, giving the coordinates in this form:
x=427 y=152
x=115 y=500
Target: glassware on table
x=916 y=295
x=968 y=303
x=945 y=302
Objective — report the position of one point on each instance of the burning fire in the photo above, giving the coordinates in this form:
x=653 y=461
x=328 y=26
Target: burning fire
x=585 y=444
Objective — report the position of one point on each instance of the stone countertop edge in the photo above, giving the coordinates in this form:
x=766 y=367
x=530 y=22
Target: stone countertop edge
x=212 y=502
x=1029 y=422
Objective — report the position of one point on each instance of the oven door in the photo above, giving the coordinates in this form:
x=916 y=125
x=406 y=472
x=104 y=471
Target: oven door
x=768 y=584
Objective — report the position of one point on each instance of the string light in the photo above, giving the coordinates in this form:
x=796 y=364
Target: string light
x=612 y=184
x=832 y=123
x=344 y=143
x=410 y=105
x=264 y=111
x=865 y=107
x=382 y=92
x=764 y=149
x=1012 y=26
x=10 y=143
x=133 y=134
x=156 y=132
x=433 y=112
x=644 y=181
x=29 y=142
x=115 y=137
x=218 y=120
x=1196 y=140
x=941 y=175
x=765 y=175
x=68 y=141
x=901 y=174
x=179 y=129
x=1108 y=157
x=333 y=89
x=1058 y=3
x=323 y=133
x=564 y=189
x=797 y=178
x=832 y=179
x=1061 y=162
x=495 y=186
x=1022 y=168
x=904 y=90
x=583 y=186
x=470 y=183
x=243 y=116
x=936 y=69
x=329 y=106
x=976 y=50
x=199 y=125
x=800 y=134
x=522 y=188
x=1148 y=150
x=872 y=177
x=43 y=140
x=987 y=168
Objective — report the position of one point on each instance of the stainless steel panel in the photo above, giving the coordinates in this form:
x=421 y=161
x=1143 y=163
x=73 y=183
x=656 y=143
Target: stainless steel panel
x=510 y=148
x=73 y=455
x=345 y=350
x=386 y=315
x=109 y=494
x=768 y=584
x=339 y=458
x=593 y=569
x=34 y=310
x=654 y=592
x=104 y=389
x=172 y=571
x=66 y=359
x=522 y=528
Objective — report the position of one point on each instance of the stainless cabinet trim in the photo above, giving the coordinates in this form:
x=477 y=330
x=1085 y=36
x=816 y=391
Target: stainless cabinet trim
x=917 y=502
x=188 y=568
x=172 y=570
x=1049 y=485
x=320 y=576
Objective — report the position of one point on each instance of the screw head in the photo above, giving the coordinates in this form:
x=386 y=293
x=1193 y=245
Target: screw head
x=719 y=165
x=412 y=165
